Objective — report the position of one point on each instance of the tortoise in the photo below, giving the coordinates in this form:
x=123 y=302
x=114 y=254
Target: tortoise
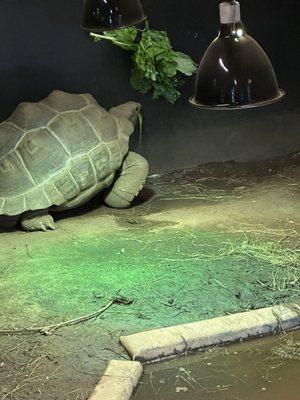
x=59 y=153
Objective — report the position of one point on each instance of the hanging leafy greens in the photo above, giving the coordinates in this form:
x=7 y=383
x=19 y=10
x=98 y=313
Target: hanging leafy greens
x=156 y=66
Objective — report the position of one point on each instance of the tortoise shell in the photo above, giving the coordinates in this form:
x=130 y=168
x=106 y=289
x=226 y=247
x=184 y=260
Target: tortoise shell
x=54 y=150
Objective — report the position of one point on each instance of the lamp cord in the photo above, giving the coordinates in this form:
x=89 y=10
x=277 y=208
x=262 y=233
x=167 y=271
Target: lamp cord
x=140 y=29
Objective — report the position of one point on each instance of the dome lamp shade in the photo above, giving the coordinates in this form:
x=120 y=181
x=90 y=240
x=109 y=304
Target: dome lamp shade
x=235 y=72
x=109 y=15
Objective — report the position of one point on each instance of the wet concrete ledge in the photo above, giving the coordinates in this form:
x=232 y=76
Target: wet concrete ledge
x=163 y=343
x=119 y=381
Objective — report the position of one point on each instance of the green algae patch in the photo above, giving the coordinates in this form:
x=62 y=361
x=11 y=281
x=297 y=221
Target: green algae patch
x=171 y=277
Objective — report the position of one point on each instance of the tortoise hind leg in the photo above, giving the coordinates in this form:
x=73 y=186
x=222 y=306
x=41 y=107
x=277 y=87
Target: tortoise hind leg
x=39 y=220
x=131 y=180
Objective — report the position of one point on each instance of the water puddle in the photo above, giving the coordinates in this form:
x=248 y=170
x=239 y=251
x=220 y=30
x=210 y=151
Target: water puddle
x=262 y=369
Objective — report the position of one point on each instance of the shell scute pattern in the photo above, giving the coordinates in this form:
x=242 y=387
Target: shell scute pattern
x=14 y=180
x=43 y=155
x=115 y=155
x=10 y=136
x=29 y=116
x=59 y=101
x=90 y=100
x=1 y=205
x=83 y=136
x=53 y=150
x=103 y=123
x=53 y=194
x=100 y=158
x=83 y=172
x=66 y=184
x=13 y=205
x=37 y=197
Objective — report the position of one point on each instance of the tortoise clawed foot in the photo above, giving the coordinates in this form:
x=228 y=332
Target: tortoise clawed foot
x=35 y=221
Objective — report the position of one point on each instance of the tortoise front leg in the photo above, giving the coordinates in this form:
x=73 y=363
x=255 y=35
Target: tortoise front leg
x=131 y=180
x=39 y=220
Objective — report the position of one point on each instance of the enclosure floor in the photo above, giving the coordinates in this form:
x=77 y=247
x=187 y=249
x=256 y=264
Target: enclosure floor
x=215 y=240
x=261 y=369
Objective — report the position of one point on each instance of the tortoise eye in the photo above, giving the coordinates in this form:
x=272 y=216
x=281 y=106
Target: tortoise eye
x=31 y=147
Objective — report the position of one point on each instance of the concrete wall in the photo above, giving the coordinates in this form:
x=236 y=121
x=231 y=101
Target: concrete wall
x=42 y=48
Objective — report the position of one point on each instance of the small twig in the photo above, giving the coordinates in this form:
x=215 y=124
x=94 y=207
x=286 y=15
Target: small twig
x=50 y=329
x=14 y=348
x=27 y=251
x=115 y=352
x=25 y=381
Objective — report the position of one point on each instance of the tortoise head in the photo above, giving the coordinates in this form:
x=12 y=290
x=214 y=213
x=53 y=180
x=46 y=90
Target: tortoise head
x=129 y=110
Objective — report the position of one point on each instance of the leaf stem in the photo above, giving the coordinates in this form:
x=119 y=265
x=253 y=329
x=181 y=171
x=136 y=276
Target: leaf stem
x=111 y=39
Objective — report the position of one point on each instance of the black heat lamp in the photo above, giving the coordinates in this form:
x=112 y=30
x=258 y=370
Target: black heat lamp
x=109 y=15
x=235 y=72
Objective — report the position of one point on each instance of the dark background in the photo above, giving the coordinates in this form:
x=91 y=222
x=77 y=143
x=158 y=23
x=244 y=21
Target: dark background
x=42 y=48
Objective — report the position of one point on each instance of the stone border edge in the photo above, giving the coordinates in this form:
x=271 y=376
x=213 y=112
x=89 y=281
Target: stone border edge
x=159 y=344
x=119 y=381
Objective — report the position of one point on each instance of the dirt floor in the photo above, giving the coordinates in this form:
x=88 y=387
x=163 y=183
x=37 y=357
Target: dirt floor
x=199 y=243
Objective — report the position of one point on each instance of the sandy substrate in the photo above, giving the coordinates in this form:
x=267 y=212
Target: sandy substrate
x=201 y=243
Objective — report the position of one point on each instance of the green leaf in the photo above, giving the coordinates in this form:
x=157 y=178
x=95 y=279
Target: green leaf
x=156 y=66
x=185 y=64
x=166 y=90
x=124 y=38
x=140 y=82
x=168 y=68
